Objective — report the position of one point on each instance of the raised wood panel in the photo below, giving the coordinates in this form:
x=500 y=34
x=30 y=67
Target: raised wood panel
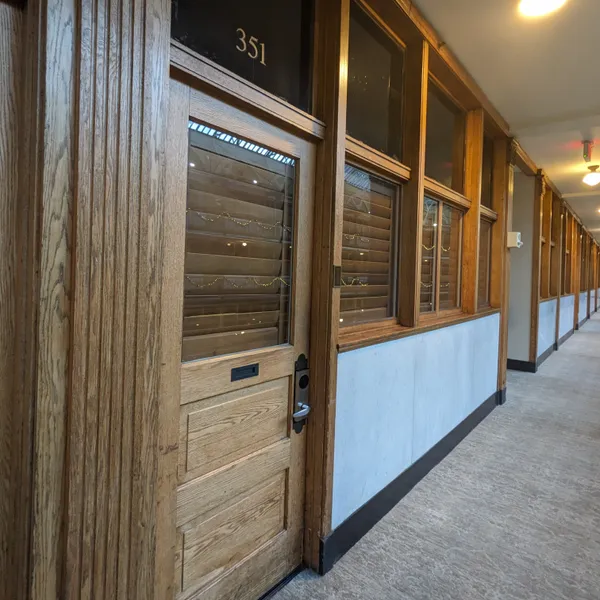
x=201 y=379
x=220 y=430
x=205 y=496
x=213 y=546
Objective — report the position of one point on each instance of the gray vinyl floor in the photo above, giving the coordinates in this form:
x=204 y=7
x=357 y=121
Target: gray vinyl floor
x=512 y=513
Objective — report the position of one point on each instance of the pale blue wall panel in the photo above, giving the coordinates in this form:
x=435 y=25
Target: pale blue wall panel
x=582 y=306
x=546 y=325
x=567 y=315
x=398 y=399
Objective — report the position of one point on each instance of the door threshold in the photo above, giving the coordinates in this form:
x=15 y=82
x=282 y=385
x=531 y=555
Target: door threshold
x=278 y=587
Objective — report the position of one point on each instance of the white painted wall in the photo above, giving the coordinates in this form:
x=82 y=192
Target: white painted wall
x=546 y=325
x=567 y=315
x=396 y=400
x=592 y=301
x=521 y=264
x=582 y=306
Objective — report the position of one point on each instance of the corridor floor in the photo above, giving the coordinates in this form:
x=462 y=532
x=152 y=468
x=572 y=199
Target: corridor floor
x=512 y=513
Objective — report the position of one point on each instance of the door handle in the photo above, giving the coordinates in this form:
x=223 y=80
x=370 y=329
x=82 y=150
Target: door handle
x=301 y=405
x=302 y=413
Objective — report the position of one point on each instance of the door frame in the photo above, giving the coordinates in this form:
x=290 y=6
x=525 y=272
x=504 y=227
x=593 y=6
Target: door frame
x=329 y=99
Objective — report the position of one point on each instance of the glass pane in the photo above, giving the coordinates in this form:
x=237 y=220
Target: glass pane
x=487 y=172
x=375 y=66
x=429 y=255
x=238 y=245
x=368 y=248
x=450 y=258
x=267 y=42
x=444 y=155
x=485 y=254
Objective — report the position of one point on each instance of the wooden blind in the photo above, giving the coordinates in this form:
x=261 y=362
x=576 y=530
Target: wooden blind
x=429 y=256
x=238 y=245
x=368 y=248
x=485 y=257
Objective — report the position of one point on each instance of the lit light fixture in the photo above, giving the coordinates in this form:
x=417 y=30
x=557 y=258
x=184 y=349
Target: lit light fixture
x=192 y=165
x=539 y=8
x=593 y=177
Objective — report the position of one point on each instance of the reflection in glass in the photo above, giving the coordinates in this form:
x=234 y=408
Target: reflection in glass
x=450 y=258
x=444 y=156
x=429 y=255
x=238 y=245
x=485 y=256
x=375 y=65
x=368 y=248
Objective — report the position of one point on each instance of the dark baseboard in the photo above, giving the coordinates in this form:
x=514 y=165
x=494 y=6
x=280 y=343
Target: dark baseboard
x=271 y=593
x=343 y=537
x=581 y=323
x=501 y=397
x=543 y=357
x=565 y=337
x=521 y=365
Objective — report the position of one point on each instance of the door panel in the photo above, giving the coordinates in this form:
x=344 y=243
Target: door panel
x=246 y=271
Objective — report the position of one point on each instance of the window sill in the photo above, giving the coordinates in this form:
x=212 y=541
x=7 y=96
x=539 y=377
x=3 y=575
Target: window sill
x=369 y=334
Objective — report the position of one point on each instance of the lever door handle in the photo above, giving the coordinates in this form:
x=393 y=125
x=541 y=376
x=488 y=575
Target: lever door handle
x=302 y=413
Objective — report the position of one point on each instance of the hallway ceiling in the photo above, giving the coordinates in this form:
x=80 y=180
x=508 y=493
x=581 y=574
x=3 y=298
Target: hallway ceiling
x=542 y=75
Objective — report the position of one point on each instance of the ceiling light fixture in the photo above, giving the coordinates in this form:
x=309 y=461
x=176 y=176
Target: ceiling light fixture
x=592 y=178
x=540 y=8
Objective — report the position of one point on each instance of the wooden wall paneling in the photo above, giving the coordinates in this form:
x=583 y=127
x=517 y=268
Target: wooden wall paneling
x=471 y=220
x=546 y=235
x=558 y=224
x=576 y=268
x=502 y=203
x=536 y=242
x=331 y=34
x=556 y=249
x=14 y=473
x=415 y=119
x=122 y=440
x=47 y=184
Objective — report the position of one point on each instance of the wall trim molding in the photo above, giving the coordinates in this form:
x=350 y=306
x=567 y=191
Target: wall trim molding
x=521 y=365
x=343 y=537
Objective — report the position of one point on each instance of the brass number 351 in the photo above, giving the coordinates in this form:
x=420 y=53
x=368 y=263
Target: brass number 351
x=250 y=46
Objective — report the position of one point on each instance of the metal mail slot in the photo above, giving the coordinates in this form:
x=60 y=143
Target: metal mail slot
x=244 y=372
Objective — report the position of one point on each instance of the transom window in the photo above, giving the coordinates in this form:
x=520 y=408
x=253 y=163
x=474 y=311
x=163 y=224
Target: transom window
x=445 y=141
x=441 y=249
x=267 y=42
x=375 y=73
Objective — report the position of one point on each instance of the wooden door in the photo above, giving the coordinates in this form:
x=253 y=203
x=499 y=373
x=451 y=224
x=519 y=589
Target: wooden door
x=239 y=212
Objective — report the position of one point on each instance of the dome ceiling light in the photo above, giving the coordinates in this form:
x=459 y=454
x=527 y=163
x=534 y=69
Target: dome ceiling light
x=593 y=177
x=540 y=8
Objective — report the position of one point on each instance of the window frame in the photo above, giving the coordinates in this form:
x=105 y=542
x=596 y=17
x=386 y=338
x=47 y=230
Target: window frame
x=439 y=313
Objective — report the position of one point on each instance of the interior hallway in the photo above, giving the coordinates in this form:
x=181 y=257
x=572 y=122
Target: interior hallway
x=512 y=513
